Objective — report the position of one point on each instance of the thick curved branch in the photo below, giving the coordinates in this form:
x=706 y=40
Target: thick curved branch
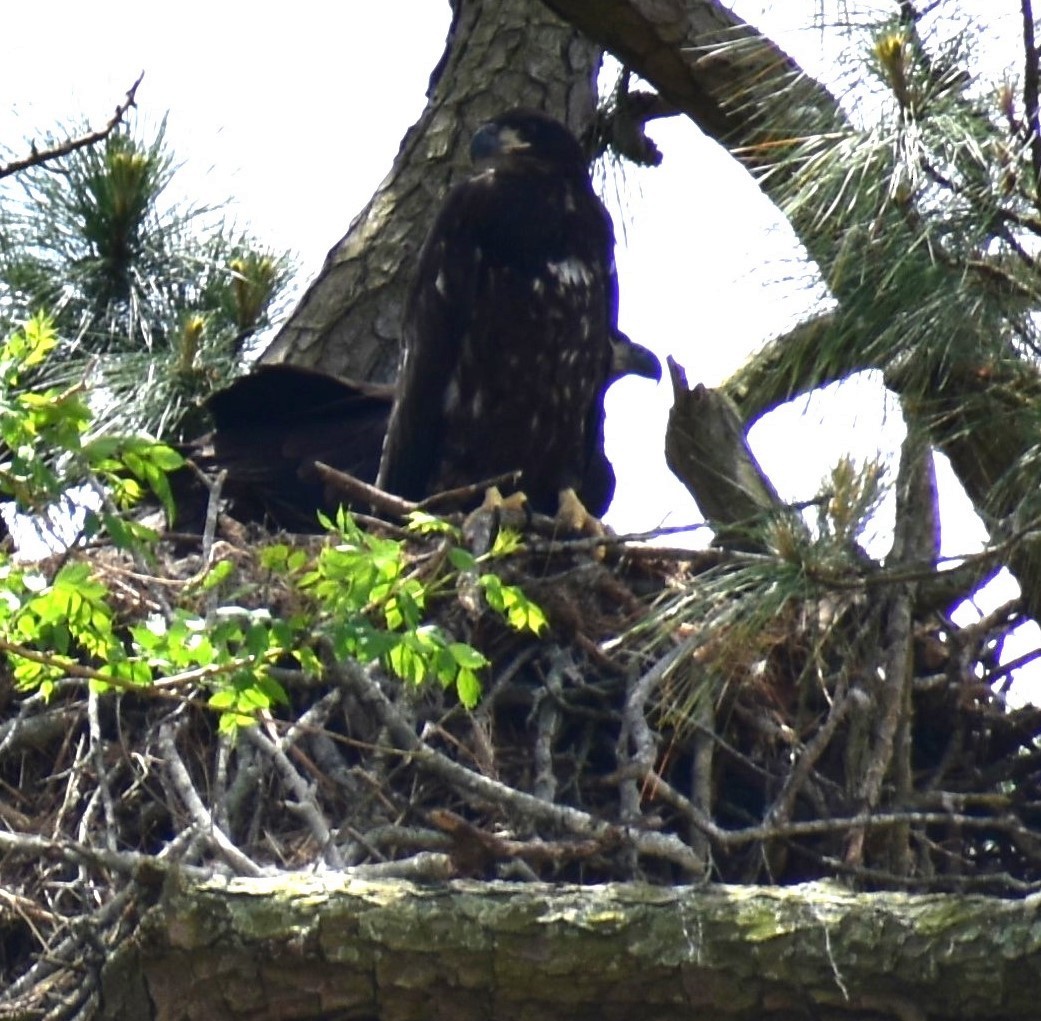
x=328 y=945
x=747 y=93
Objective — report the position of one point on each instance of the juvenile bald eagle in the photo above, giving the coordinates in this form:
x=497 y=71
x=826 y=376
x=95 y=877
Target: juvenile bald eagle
x=508 y=329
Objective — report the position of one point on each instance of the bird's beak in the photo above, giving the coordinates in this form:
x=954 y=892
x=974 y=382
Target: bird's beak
x=629 y=359
x=492 y=140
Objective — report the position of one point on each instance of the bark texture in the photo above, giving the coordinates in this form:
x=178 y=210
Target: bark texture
x=706 y=449
x=309 y=947
x=498 y=55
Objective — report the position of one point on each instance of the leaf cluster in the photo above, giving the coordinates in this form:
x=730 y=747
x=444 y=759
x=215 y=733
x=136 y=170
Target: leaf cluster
x=364 y=596
x=46 y=444
x=369 y=597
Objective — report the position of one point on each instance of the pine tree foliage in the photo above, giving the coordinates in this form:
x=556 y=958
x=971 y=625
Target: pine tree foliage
x=155 y=299
x=917 y=196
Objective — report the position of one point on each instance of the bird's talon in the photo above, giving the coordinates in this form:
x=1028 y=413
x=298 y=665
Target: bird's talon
x=573 y=517
x=496 y=512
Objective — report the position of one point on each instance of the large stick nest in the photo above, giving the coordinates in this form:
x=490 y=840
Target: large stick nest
x=653 y=733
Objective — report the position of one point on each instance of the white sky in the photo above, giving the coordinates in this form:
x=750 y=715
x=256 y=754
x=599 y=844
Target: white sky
x=296 y=112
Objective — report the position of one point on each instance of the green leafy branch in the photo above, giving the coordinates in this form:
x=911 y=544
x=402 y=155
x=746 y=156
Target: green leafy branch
x=45 y=443
x=57 y=629
x=67 y=625
x=369 y=597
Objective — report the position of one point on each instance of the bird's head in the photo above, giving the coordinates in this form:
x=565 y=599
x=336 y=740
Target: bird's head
x=529 y=136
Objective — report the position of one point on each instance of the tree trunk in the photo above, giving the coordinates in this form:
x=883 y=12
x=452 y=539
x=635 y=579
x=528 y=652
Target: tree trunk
x=310 y=947
x=498 y=55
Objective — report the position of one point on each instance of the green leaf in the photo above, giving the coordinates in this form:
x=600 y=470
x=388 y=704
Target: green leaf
x=467 y=656
x=218 y=572
x=425 y=523
x=507 y=541
x=309 y=662
x=468 y=688
x=461 y=559
x=519 y=611
x=273 y=691
x=224 y=698
x=407 y=663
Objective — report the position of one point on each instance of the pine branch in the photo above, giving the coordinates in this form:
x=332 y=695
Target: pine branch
x=1030 y=89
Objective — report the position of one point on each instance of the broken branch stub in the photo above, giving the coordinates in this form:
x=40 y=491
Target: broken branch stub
x=706 y=449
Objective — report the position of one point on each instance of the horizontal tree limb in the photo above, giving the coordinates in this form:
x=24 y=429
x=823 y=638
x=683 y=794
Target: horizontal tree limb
x=310 y=946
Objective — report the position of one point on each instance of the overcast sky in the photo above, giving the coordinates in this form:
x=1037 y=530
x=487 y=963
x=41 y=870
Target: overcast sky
x=296 y=112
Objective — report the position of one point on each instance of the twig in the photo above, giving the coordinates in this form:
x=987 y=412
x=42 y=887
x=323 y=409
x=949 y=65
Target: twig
x=160 y=688
x=474 y=850
x=65 y=956
x=135 y=549
x=34 y=847
x=241 y=796
x=916 y=537
x=305 y=805
x=661 y=845
x=426 y=866
x=201 y=817
x=548 y=720
x=1030 y=89
x=313 y=720
x=462 y=495
x=38 y=157
x=359 y=492
x=213 y=488
x=31 y=728
x=702 y=768
x=636 y=731
x=841 y=704
x=98 y=751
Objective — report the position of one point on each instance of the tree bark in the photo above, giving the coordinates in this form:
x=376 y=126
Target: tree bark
x=310 y=947
x=498 y=55
x=706 y=449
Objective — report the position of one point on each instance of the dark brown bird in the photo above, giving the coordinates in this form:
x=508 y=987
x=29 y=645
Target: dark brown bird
x=508 y=329
x=510 y=342
x=269 y=428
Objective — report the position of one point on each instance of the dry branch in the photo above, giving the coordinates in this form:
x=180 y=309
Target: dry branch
x=364 y=686
x=706 y=449
x=37 y=157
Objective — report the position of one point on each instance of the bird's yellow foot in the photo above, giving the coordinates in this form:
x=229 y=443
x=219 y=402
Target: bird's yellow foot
x=573 y=517
x=496 y=511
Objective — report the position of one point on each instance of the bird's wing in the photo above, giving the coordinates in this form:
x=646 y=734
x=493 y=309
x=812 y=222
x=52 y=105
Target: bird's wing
x=437 y=317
